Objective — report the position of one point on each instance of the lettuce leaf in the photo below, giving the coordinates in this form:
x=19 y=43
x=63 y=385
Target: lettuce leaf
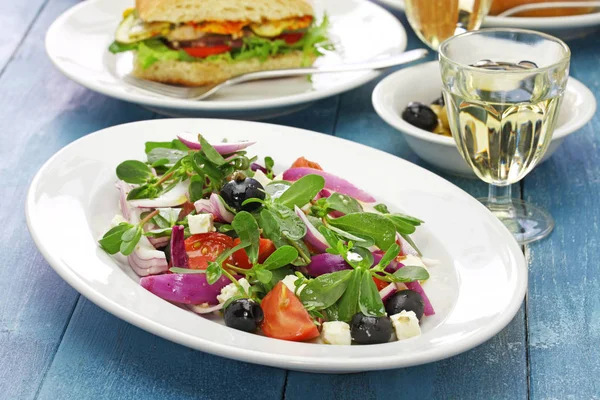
x=311 y=44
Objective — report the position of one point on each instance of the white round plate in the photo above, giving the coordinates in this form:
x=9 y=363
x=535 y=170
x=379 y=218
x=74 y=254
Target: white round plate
x=567 y=27
x=476 y=289
x=393 y=94
x=77 y=43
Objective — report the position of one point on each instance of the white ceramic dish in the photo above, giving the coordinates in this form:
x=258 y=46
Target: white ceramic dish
x=78 y=40
x=476 y=290
x=568 y=27
x=394 y=93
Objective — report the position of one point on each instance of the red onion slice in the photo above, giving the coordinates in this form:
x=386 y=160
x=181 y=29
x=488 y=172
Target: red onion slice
x=159 y=242
x=179 y=257
x=313 y=236
x=146 y=260
x=221 y=213
x=191 y=141
x=332 y=182
x=326 y=263
x=185 y=288
x=257 y=167
x=124 y=189
x=204 y=206
x=388 y=291
x=405 y=247
x=416 y=287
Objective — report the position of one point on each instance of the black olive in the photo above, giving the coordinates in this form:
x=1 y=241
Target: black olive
x=421 y=116
x=439 y=101
x=241 y=188
x=244 y=315
x=370 y=330
x=405 y=300
x=527 y=64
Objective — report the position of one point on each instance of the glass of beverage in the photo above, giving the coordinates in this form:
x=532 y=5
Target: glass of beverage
x=436 y=20
x=503 y=89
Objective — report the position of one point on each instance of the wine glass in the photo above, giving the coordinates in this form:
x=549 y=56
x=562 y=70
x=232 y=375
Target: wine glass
x=436 y=20
x=503 y=89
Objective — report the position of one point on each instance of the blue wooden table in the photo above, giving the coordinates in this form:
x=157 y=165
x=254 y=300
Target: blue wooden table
x=55 y=344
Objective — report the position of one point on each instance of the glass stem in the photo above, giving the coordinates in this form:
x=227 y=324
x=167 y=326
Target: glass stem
x=500 y=196
x=500 y=202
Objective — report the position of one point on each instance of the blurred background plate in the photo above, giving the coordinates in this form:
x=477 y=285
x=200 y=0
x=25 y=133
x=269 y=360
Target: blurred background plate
x=77 y=43
x=565 y=27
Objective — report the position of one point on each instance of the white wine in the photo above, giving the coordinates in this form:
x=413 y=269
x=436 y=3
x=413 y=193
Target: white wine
x=436 y=20
x=502 y=130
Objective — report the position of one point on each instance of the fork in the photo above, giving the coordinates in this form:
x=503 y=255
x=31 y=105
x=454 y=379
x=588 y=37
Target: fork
x=203 y=92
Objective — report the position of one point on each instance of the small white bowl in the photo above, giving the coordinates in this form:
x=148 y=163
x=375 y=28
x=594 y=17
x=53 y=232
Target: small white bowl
x=423 y=83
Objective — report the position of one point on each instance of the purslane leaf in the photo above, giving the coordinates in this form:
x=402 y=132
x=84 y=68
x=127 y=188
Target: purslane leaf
x=111 y=241
x=247 y=229
x=302 y=191
x=133 y=171
x=375 y=226
x=323 y=291
x=369 y=300
x=410 y=273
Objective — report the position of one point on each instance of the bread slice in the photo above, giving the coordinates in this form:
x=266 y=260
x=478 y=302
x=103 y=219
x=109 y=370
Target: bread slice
x=210 y=72
x=178 y=11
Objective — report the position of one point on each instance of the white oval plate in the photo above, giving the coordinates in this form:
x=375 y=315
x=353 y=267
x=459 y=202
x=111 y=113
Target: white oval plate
x=567 y=27
x=77 y=43
x=476 y=290
x=394 y=92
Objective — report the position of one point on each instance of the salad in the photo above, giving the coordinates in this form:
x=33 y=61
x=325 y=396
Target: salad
x=297 y=256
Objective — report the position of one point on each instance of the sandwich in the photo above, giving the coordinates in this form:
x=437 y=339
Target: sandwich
x=202 y=42
x=499 y=6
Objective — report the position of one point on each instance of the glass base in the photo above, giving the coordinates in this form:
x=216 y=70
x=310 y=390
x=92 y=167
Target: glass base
x=525 y=221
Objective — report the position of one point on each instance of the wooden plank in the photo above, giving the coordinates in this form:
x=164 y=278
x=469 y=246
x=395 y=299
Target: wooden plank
x=40 y=111
x=496 y=369
x=564 y=287
x=103 y=357
x=15 y=18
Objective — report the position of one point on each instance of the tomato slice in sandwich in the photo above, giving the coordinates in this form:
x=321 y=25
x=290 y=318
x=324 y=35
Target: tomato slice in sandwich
x=206 y=51
x=291 y=38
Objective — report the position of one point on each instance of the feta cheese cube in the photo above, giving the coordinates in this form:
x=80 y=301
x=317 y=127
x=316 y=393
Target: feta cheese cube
x=262 y=178
x=231 y=290
x=117 y=219
x=290 y=282
x=336 y=332
x=406 y=325
x=200 y=223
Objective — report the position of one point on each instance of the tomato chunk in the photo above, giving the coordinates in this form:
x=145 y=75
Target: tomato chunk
x=303 y=162
x=265 y=249
x=285 y=316
x=205 y=247
x=380 y=284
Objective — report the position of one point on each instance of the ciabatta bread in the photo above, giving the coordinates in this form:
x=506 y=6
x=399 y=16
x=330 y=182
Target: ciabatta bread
x=178 y=11
x=210 y=72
